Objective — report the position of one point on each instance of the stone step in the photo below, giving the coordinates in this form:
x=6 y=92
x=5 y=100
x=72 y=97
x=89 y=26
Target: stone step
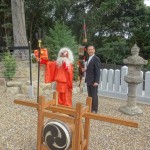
x=14 y=84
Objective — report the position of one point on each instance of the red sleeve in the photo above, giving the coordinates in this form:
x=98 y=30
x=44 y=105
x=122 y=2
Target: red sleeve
x=50 y=70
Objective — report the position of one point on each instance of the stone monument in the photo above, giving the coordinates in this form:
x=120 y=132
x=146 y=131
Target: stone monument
x=133 y=78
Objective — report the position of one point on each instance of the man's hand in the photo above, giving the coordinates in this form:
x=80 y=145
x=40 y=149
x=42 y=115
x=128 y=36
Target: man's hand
x=95 y=84
x=83 y=69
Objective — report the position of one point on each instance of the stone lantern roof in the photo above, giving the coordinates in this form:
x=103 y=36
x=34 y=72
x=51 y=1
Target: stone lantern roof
x=135 y=59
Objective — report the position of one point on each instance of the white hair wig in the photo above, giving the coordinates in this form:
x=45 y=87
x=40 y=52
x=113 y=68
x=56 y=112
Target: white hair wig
x=70 y=54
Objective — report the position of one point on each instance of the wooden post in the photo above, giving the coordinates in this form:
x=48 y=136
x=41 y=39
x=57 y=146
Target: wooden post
x=55 y=96
x=40 y=124
x=78 y=122
x=62 y=113
x=87 y=124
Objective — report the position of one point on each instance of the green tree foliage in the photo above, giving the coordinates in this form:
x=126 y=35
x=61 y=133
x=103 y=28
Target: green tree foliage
x=37 y=16
x=44 y=14
x=114 y=51
x=127 y=19
x=58 y=37
x=6 y=24
x=141 y=31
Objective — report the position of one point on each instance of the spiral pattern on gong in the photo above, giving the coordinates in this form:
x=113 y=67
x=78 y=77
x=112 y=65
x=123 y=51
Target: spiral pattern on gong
x=57 y=135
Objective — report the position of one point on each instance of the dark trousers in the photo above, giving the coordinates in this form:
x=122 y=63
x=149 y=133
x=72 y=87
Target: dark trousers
x=93 y=92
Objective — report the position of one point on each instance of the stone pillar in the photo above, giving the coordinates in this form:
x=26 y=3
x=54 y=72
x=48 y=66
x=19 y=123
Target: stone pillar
x=133 y=78
x=131 y=101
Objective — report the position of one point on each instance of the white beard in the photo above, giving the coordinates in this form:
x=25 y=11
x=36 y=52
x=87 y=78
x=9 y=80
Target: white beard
x=61 y=60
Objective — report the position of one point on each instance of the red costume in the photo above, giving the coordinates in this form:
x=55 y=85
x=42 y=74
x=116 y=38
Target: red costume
x=63 y=75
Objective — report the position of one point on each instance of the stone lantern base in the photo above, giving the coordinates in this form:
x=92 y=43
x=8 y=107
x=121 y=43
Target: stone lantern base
x=131 y=110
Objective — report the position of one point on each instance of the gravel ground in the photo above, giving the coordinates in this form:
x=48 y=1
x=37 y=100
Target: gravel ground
x=18 y=126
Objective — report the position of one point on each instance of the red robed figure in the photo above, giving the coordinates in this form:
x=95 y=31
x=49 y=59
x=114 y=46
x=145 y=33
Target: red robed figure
x=61 y=71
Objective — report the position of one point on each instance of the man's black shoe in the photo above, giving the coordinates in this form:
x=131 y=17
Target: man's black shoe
x=93 y=111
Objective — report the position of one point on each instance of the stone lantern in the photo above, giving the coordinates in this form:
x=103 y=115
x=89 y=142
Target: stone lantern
x=133 y=78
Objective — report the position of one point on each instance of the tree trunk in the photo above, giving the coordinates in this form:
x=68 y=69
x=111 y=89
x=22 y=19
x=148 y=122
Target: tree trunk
x=19 y=28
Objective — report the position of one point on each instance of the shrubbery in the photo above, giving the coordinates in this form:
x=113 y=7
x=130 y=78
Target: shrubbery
x=10 y=65
x=58 y=37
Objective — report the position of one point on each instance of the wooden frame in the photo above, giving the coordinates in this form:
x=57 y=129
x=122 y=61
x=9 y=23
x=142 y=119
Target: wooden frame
x=72 y=116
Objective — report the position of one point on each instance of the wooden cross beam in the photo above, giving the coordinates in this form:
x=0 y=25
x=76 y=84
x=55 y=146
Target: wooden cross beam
x=71 y=111
x=73 y=116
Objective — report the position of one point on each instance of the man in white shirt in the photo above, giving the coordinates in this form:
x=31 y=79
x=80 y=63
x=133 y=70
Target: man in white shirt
x=92 y=76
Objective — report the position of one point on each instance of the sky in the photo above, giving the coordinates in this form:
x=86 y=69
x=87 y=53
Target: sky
x=147 y=2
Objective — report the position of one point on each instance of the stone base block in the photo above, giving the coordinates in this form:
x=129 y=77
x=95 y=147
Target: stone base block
x=13 y=90
x=131 y=110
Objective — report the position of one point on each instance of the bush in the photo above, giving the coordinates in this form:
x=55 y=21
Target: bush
x=147 y=67
x=59 y=37
x=33 y=58
x=10 y=65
